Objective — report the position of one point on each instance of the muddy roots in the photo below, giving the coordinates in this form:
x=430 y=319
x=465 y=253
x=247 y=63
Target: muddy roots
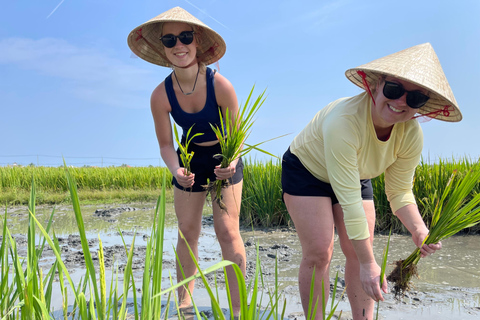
x=401 y=276
x=214 y=188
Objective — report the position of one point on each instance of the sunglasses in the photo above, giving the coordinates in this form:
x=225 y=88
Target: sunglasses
x=170 y=40
x=393 y=91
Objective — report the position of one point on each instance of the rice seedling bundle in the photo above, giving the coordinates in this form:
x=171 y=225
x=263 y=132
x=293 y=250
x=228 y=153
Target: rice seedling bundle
x=232 y=135
x=456 y=210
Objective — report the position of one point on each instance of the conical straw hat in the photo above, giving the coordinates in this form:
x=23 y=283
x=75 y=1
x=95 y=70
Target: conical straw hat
x=418 y=65
x=145 y=41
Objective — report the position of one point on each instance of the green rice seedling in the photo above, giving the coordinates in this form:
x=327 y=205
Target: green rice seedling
x=429 y=183
x=249 y=308
x=453 y=212
x=30 y=292
x=98 y=296
x=232 y=135
x=84 y=242
x=313 y=305
x=63 y=288
x=216 y=309
x=334 y=305
x=275 y=297
x=82 y=309
x=8 y=295
x=90 y=298
x=185 y=156
x=383 y=267
x=126 y=282
x=103 y=284
x=251 y=295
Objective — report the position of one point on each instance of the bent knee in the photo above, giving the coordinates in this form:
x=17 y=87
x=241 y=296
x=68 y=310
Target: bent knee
x=190 y=234
x=228 y=236
x=319 y=257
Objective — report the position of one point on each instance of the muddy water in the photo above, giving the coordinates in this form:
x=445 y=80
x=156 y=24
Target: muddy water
x=449 y=287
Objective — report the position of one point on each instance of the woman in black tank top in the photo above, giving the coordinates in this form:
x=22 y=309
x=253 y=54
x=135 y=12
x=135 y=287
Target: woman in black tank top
x=193 y=95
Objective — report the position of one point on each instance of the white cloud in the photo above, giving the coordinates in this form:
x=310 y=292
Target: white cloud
x=87 y=70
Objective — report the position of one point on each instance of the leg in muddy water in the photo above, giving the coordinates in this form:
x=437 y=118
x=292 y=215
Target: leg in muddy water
x=362 y=305
x=228 y=235
x=188 y=208
x=313 y=219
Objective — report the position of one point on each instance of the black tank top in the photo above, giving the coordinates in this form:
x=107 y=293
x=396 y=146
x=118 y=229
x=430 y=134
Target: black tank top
x=202 y=119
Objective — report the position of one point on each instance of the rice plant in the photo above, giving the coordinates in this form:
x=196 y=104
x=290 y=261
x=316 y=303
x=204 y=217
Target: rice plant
x=262 y=182
x=100 y=184
x=313 y=304
x=94 y=178
x=232 y=135
x=383 y=267
x=262 y=203
x=251 y=295
x=28 y=294
x=454 y=211
x=185 y=156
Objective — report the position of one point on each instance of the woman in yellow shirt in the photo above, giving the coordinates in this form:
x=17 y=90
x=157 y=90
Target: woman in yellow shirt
x=327 y=169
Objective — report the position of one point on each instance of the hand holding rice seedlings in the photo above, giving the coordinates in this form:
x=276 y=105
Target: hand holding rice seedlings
x=232 y=135
x=184 y=154
x=453 y=212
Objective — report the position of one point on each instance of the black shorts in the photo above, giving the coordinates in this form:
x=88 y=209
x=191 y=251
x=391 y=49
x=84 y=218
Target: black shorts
x=298 y=181
x=202 y=165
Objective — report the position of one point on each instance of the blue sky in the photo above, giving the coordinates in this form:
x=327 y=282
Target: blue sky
x=70 y=86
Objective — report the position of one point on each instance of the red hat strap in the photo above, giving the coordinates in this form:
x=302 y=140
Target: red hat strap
x=445 y=112
x=365 y=84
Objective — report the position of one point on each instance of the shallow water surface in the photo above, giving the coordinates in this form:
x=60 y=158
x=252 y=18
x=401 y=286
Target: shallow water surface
x=448 y=287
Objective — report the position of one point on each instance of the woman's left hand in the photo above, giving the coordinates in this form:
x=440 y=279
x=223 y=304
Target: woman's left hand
x=426 y=249
x=225 y=173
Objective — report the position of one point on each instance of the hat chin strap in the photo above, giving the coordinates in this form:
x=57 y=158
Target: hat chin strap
x=365 y=84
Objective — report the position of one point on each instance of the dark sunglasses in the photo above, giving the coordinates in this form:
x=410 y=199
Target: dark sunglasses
x=393 y=91
x=170 y=40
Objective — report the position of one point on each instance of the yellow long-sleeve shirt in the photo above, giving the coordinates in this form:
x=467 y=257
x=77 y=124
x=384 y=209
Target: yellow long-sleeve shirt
x=339 y=146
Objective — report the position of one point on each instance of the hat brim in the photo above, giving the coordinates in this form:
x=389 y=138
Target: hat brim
x=144 y=40
x=437 y=107
x=418 y=65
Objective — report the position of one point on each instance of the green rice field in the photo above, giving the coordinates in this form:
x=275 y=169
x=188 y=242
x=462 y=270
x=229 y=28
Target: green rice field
x=261 y=202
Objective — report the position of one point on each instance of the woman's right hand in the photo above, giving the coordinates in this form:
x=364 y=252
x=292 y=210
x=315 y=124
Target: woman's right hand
x=370 y=278
x=185 y=181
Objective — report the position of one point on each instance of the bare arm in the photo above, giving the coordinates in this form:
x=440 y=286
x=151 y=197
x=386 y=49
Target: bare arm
x=160 y=108
x=412 y=220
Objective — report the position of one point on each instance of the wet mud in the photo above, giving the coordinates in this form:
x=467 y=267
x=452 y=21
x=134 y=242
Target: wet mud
x=448 y=286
